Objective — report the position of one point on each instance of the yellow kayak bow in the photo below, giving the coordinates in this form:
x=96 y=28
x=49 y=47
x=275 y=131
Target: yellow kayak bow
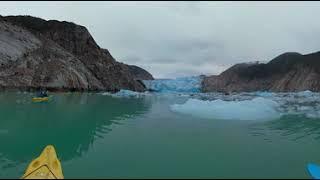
x=46 y=166
x=40 y=99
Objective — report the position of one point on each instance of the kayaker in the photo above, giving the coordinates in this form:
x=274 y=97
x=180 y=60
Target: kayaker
x=42 y=93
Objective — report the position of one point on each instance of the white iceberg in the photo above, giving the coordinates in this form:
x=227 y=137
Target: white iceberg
x=125 y=93
x=106 y=94
x=306 y=93
x=256 y=109
x=264 y=94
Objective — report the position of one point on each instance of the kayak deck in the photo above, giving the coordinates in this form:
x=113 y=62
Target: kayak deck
x=46 y=166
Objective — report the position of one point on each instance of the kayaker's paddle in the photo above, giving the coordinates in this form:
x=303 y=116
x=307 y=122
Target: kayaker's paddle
x=314 y=170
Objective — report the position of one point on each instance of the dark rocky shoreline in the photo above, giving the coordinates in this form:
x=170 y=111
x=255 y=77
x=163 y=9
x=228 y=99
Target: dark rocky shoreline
x=59 y=56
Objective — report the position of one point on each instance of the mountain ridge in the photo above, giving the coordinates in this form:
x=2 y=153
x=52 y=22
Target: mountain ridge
x=289 y=71
x=57 y=55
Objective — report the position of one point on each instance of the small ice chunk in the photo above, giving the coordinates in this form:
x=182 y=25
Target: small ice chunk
x=106 y=94
x=129 y=93
x=264 y=94
x=305 y=93
x=126 y=93
x=313 y=115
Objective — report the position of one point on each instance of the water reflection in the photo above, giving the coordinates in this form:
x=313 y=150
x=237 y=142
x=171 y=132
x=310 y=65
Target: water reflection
x=71 y=122
x=293 y=127
x=297 y=126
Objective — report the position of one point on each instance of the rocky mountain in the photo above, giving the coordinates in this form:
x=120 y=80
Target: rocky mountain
x=139 y=74
x=287 y=72
x=59 y=56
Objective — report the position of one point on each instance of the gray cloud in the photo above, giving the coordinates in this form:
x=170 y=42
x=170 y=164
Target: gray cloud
x=172 y=39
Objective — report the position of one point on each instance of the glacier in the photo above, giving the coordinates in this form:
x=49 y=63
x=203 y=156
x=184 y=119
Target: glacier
x=183 y=84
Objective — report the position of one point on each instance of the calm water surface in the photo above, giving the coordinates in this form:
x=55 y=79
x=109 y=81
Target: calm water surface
x=100 y=136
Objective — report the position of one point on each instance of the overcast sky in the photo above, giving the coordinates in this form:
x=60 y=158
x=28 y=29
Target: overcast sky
x=174 y=39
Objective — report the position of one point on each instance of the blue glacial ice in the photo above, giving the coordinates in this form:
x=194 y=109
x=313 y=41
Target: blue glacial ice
x=258 y=108
x=184 y=84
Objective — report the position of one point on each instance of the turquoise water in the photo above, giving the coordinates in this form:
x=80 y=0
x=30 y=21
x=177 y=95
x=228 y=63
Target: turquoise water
x=100 y=136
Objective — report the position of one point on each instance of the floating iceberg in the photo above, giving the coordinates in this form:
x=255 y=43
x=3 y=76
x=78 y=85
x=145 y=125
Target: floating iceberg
x=125 y=93
x=185 y=84
x=106 y=94
x=305 y=93
x=212 y=105
x=256 y=109
x=264 y=94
